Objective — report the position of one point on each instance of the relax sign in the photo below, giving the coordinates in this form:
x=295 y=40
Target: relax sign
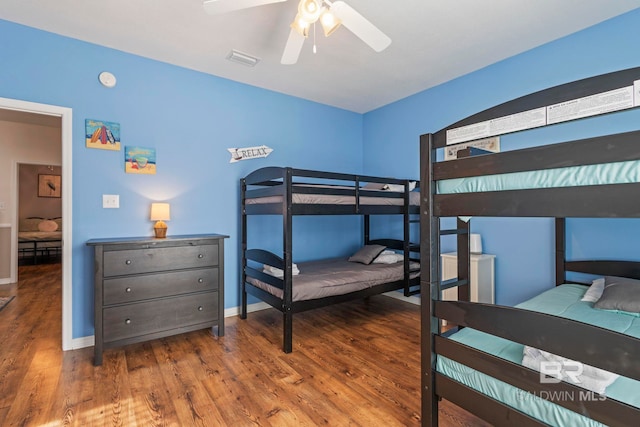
x=248 y=153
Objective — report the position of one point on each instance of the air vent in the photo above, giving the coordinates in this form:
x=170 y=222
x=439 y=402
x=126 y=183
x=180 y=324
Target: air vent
x=242 y=58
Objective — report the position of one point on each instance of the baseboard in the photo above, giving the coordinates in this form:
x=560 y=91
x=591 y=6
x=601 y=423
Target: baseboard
x=89 y=341
x=5 y=281
x=82 y=342
x=235 y=311
x=413 y=299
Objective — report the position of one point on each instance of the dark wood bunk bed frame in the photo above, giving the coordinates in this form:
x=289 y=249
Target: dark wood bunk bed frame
x=283 y=182
x=605 y=349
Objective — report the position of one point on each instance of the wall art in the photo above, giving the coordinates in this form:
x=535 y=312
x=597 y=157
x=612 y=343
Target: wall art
x=140 y=160
x=102 y=135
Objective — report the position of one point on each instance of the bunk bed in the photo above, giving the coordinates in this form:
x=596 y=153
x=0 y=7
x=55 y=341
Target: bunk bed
x=289 y=192
x=479 y=364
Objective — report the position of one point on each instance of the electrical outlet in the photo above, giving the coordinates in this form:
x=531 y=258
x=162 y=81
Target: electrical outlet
x=110 y=201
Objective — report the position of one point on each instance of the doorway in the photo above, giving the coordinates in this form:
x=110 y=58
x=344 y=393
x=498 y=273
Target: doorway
x=12 y=109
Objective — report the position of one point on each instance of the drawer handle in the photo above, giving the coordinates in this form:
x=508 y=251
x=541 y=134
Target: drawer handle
x=201 y=280
x=128 y=290
x=128 y=321
x=128 y=262
x=200 y=256
x=200 y=308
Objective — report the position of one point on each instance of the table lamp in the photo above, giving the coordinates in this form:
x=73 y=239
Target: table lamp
x=160 y=212
x=475 y=244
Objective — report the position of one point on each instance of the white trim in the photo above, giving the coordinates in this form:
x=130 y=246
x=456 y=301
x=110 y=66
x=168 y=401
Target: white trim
x=235 y=311
x=67 y=207
x=228 y=312
x=7 y=280
x=398 y=295
x=82 y=342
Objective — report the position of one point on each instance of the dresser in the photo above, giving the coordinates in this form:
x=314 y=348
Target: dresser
x=482 y=271
x=147 y=288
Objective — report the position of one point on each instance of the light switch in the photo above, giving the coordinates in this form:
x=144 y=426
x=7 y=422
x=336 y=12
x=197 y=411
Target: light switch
x=110 y=201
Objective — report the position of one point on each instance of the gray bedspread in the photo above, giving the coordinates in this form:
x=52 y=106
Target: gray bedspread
x=338 y=199
x=337 y=276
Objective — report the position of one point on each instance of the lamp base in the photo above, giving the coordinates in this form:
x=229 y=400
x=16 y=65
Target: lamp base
x=160 y=229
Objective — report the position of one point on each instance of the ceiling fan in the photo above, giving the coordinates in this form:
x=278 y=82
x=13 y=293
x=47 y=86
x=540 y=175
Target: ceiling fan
x=330 y=14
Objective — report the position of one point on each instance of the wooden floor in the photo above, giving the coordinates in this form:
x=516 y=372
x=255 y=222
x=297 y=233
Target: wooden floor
x=354 y=364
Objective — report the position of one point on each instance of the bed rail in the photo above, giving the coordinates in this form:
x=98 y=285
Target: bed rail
x=265 y=176
x=606 y=410
x=605 y=349
x=591 y=151
x=554 y=95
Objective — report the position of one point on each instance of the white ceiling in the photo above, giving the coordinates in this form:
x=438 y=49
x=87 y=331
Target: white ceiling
x=432 y=41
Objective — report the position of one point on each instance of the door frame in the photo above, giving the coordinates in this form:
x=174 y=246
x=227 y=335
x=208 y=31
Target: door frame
x=65 y=114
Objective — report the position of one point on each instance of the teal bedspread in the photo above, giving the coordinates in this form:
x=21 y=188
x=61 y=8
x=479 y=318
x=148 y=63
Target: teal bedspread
x=606 y=173
x=561 y=301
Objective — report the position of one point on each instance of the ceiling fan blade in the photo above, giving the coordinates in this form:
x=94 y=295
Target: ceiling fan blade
x=293 y=48
x=360 y=26
x=216 y=7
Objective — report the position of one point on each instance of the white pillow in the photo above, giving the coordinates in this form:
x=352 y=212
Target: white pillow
x=594 y=292
x=388 y=257
x=399 y=187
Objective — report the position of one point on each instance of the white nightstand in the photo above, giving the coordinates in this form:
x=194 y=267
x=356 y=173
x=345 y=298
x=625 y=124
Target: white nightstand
x=482 y=277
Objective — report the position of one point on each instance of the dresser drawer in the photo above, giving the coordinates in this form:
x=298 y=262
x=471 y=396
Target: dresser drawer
x=149 y=317
x=134 y=261
x=134 y=288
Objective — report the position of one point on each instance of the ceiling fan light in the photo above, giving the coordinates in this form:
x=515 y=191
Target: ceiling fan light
x=329 y=22
x=309 y=10
x=301 y=26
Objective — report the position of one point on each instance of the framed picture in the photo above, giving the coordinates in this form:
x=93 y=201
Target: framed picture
x=102 y=135
x=140 y=160
x=49 y=186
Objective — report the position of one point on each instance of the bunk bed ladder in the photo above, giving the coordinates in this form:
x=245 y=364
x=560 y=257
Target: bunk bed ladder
x=408 y=249
x=243 y=265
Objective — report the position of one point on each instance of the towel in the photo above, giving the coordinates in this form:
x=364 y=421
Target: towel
x=276 y=272
x=591 y=378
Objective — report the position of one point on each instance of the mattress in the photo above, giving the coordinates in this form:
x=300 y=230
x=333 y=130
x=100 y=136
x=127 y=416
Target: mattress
x=606 y=173
x=339 y=199
x=562 y=301
x=42 y=238
x=337 y=276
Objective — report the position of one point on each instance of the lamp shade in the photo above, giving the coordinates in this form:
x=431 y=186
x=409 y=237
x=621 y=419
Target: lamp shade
x=160 y=212
x=329 y=22
x=475 y=244
x=309 y=10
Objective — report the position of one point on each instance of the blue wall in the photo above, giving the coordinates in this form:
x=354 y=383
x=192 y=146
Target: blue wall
x=190 y=118
x=524 y=247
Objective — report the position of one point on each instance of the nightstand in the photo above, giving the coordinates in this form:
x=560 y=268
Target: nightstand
x=482 y=277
